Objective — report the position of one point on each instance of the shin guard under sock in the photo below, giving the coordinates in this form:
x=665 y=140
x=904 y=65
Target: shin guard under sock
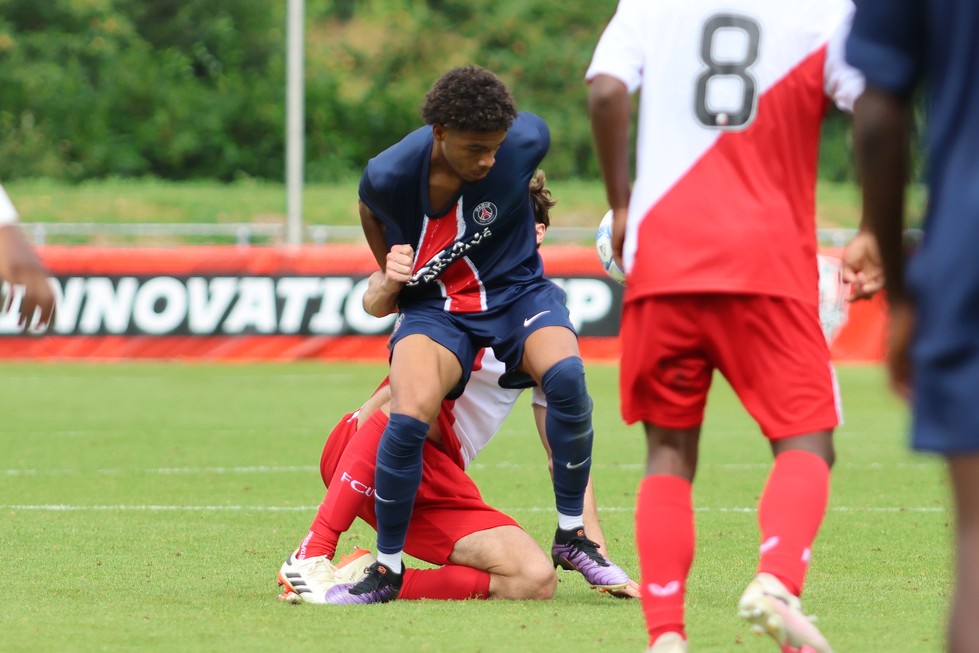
x=790 y=512
x=665 y=539
x=396 y=479
x=569 y=432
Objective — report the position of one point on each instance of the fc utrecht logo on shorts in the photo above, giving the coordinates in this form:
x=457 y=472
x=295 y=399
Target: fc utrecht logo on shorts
x=485 y=213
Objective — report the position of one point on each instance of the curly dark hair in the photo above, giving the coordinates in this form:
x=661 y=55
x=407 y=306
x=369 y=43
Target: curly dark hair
x=540 y=198
x=470 y=99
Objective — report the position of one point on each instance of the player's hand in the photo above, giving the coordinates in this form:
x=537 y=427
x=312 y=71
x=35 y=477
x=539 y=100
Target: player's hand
x=630 y=591
x=398 y=264
x=619 y=217
x=862 y=267
x=20 y=266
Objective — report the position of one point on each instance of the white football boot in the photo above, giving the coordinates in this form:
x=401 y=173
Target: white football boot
x=306 y=580
x=771 y=609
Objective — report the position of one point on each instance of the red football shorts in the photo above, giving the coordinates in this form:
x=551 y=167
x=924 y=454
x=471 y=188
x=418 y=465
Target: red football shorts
x=448 y=505
x=770 y=349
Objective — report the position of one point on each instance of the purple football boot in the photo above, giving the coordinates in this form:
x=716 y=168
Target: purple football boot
x=379 y=585
x=580 y=554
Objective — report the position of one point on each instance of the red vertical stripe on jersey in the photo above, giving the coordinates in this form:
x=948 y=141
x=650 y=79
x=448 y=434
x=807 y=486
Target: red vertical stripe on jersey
x=460 y=283
x=741 y=219
x=437 y=234
x=462 y=288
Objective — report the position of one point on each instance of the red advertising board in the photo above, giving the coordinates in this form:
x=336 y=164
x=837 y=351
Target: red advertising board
x=286 y=303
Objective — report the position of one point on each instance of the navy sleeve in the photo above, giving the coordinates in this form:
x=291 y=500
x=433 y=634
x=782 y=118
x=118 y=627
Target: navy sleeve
x=367 y=193
x=886 y=43
x=379 y=206
x=544 y=134
x=531 y=137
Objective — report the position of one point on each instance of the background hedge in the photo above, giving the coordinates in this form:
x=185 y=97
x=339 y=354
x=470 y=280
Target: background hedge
x=194 y=89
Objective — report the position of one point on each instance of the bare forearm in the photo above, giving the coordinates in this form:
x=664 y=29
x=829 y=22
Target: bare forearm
x=609 y=107
x=20 y=265
x=881 y=123
x=384 y=287
x=380 y=299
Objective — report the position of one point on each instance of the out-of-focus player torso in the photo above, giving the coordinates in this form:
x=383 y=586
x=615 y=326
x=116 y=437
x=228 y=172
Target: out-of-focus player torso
x=732 y=100
x=899 y=43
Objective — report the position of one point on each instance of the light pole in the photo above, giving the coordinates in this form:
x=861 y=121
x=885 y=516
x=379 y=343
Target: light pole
x=295 y=99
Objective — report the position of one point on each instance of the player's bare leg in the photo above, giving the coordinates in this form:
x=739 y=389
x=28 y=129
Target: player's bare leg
x=423 y=372
x=518 y=567
x=963 y=629
x=819 y=443
x=665 y=536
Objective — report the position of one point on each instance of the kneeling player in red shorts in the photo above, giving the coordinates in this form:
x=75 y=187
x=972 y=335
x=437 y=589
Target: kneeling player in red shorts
x=481 y=552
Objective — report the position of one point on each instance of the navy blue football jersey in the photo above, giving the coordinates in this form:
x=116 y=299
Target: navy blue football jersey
x=472 y=255
x=901 y=45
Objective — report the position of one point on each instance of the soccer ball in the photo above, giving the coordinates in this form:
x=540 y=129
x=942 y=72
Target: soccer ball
x=603 y=243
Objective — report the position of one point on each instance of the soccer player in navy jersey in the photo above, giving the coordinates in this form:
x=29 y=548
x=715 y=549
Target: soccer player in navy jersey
x=901 y=46
x=481 y=553
x=447 y=214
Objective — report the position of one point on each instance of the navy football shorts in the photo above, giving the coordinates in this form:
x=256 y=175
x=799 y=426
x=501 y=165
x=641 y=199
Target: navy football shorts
x=504 y=327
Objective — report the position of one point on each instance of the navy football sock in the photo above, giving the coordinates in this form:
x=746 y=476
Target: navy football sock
x=396 y=479
x=569 y=432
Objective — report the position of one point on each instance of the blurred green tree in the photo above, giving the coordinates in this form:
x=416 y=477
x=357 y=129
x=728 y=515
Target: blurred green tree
x=184 y=89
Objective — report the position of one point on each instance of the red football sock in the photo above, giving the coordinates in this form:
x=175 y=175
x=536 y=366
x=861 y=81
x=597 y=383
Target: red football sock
x=351 y=486
x=790 y=511
x=449 y=583
x=665 y=538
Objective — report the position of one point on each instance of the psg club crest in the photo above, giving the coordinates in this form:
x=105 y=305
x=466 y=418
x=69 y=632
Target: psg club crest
x=485 y=213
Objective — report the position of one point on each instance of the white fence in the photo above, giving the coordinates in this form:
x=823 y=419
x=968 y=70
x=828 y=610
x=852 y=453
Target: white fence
x=52 y=233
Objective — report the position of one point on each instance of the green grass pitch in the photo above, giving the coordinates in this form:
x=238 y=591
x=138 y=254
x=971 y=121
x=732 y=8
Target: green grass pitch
x=147 y=507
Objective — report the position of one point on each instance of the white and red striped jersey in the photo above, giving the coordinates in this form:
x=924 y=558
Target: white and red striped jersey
x=8 y=213
x=471 y=421
x=733 y=94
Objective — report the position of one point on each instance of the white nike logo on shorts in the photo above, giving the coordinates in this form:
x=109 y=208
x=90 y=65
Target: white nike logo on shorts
x=531 y=320
x=577 y=465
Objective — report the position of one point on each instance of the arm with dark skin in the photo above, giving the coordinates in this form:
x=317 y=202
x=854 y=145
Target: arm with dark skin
x=881 y=124
x=610 y=106
x=20 y=265
x=385 y=285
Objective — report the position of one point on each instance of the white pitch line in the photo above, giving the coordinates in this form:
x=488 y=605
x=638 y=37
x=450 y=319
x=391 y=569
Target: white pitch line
x=175 y=471
x=303 y=469
x=61 y=507
x=78 y=433
x=230 y=470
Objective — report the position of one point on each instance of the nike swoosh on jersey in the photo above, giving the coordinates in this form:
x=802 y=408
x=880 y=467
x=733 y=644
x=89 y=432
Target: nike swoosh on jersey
x=532 y=319
x=577 y=465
